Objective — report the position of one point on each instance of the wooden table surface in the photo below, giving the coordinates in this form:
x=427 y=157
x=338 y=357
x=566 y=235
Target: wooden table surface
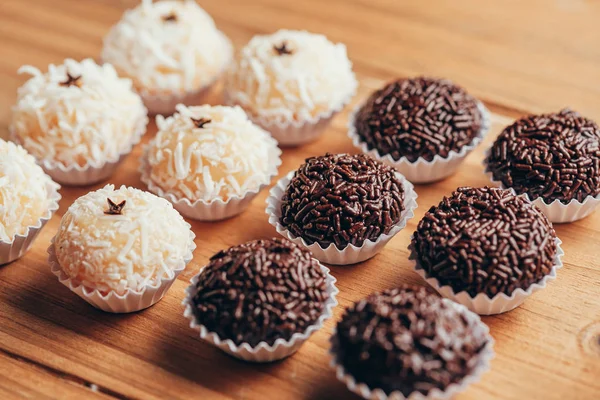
x=517 y=56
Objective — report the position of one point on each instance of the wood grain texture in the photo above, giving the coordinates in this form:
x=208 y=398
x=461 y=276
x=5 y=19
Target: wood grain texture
x=517 y=56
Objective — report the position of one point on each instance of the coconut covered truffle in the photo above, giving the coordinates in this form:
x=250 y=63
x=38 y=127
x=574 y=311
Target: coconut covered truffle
x=167 y=47
x=210 y=152
x=119 y=239
x=409 y=340
x=290 y=76
x=77 y=113
x=24 y=194
x=550 y=156
x=485 y=240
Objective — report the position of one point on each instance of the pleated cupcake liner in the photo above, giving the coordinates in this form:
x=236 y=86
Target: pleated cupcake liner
x=92 y=172
x=482 y=304
x=483 y=365
x=21 y=243
x=556 y=211
x=351 y=254
x=164 y=104
x=421 y=170
x=131 y=300
x=291 y=133
x=213 y=210
x=262 y=352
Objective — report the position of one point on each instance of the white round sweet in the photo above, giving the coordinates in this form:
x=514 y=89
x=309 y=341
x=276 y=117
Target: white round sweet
x=129 y=249
x=77 y=113
x=290 y=76
x=24 y=197
x=210 y=152
x=167 y=47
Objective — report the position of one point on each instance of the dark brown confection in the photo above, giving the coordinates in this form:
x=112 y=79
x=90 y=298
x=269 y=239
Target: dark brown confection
x=419 y=118
x=342 y=199
x=408 y=340
x=259 y=291
x=552 y=156
x=485 y=240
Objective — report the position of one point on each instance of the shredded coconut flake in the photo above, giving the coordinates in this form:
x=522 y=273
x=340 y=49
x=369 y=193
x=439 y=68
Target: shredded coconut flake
x=92 y=121
x=315 y=78
x=166 y=56
x=119 y=252
x=227 y=156
x=24 y=197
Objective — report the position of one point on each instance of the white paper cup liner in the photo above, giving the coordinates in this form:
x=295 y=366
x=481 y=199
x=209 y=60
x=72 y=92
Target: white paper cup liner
x=482 y=304
x=556 y=211
x=289 y=133
x=484 y=360
x=216 y=209
x=421 y=170
x=92 y=172
x=331 y=254
x=131 y=300
x=10 y=251
x=263 y=352
x=165 y=104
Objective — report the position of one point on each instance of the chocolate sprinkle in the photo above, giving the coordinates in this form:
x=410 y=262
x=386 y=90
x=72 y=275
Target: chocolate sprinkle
x=114 y=208
x=259 y=291
x=485 y=240
x=408 y=340
x=418 y=118
x=552 y=156
x=342 y=199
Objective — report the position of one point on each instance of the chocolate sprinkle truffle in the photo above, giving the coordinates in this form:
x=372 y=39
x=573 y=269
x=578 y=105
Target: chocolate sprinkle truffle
x=259 y=291
x=549 y=156
x=419 y=118
x=408 y=340
x=342 y=199
x=485 y=240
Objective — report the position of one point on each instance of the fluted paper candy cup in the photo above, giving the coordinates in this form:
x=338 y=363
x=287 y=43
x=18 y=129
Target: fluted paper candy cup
x=556 y=211
x=421 y=170
x=332 y=254
x=263 y=352
x=483 y=365
x=290 y=133
x=165 y=104
x=21 y=243
x=217 y=209
x=482 y=304
x=131 y=300
x=92 y=172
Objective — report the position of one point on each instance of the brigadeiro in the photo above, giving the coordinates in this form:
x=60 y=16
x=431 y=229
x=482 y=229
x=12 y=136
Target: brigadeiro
x=423 y=127
x=261 y=300
x=408 y=343
x=343 y=207
x=554 y=159
x=486 y=248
